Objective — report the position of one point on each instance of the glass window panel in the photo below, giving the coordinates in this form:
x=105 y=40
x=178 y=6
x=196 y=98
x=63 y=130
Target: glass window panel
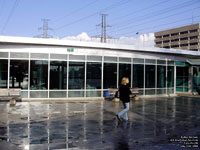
x=124 y=71
x=3 y=73
x=19 y=74
x=93 y=94
x=170 y=62
x=150 y=61
x=141 y=92
x=39 y=55
x=58 y=74
x=194 y=89
x=24 y=94
x=57 y=94
x=179 y=89
x=182 y=71
x=76 y=57
x=196 y=71
x=150 y=76
x=124 y=59
x=161 y=76
x=186 y=71
x=94 y=58
x=179 y=81
x=138 y=60
x=19 y=55
x=38 y=94
x=161 y=91
x=161 y=62
x=58 y=56
x=39 y=75
x=170 y=76
x=138 y=76
x=170 y=91
x=182 y=78
x=178 y=63
x=93 y=75
x=185 y=89
x=150 y=92
x=3 y=54
x=110 y=75
x=76 y=75
x=76 y=94
x=111 y=59
x=185 y=81
x=196 y=81
x=179 y=71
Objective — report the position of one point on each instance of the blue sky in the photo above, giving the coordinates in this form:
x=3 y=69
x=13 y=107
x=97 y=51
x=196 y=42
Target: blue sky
x=72 y=17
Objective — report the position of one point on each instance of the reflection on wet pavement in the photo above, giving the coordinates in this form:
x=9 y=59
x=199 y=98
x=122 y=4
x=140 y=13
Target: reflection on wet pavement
x=92 y=125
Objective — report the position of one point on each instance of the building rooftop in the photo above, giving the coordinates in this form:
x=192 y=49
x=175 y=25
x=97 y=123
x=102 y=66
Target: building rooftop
x=83 y=44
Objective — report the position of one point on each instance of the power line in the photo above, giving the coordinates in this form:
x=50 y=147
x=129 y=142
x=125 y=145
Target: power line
x=155 y=13
x=10 y=15
x=155 y=20
x=84 y=18
x=142 y=9
x=158 y=13
x=75 y=11
x=127 y=33
x=123 y=16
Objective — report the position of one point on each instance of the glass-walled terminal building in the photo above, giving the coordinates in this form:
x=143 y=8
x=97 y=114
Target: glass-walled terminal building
x=51 y=68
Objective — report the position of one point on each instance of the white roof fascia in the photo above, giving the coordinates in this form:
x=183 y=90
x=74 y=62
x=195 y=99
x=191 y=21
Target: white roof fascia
x=71 y=43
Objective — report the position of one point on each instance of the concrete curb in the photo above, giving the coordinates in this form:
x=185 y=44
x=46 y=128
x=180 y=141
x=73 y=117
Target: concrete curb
x=78 y=99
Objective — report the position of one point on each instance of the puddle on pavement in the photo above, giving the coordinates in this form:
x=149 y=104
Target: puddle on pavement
x=92 y=125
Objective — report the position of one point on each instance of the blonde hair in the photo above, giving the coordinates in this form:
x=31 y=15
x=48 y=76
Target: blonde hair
x=124 y=80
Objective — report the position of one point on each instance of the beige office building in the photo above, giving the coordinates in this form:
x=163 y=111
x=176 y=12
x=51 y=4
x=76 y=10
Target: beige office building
x=186 y=37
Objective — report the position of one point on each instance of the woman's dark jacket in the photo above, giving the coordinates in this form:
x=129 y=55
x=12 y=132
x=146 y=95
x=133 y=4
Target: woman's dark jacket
x=124 y=92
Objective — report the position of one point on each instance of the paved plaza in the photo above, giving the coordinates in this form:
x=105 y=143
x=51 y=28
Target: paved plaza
x=154 y=124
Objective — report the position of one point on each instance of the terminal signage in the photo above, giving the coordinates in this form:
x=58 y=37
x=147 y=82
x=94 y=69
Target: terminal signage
x=70 y=49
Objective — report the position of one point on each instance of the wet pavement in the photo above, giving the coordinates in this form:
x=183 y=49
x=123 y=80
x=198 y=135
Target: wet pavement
x=154 y=124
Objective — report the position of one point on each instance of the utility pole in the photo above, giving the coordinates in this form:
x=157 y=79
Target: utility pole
x=45 y=28
x=103 y=28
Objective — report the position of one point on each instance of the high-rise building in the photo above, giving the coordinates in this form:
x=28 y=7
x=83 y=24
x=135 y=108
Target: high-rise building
x=186 y=37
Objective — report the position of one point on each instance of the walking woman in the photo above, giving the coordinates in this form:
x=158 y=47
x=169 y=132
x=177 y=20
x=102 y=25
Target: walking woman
x=124 y=92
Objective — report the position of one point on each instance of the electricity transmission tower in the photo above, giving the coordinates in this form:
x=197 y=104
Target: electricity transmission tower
x=103 y=28
x=45 y=28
